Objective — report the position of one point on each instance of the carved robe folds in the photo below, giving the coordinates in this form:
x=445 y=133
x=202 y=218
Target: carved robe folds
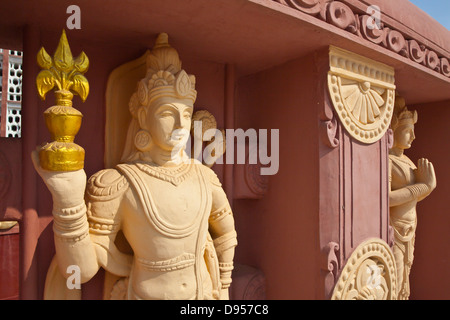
x=174 y=256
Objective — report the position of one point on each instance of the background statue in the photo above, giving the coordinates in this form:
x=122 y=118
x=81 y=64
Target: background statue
x=408 y=185
x=159 y=222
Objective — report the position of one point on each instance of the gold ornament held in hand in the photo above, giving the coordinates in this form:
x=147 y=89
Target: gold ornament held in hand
x=62 y=120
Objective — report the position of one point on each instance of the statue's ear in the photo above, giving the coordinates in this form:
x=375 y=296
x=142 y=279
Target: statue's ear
x=142 y=118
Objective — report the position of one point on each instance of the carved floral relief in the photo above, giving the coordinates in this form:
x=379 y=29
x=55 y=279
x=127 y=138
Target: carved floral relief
x=369 y=274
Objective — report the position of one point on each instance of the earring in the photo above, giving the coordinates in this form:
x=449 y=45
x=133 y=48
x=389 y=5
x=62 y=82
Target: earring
x=143 y=140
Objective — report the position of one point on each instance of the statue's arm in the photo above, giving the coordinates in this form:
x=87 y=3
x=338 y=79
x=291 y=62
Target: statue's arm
x=223 y=233
x=70 y=226
x=77 y=220
x=87 y=239
x=426 y=183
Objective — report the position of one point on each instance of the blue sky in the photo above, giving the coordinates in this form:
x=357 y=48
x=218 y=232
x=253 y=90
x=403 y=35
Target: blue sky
x=438 y=9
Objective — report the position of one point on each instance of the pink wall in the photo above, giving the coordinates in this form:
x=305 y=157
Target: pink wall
x=279 y=233
x=429 y=274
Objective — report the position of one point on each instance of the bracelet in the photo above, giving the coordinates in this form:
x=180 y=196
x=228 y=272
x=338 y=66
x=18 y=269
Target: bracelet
x=225 y=269
x=418 y=190
x=69 y=211
x=101 y=225
x=225 y=283
x=226 y=266
x=71 y=224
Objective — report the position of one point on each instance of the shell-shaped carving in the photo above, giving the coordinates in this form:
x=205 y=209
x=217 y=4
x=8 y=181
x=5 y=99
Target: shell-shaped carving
x=362 y=92
x=362 y=100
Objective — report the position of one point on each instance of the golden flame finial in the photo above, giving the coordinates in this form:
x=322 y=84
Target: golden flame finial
x=63 y=121
x=62 y=71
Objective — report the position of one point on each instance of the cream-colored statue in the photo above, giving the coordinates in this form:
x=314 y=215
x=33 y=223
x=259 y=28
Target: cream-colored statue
x=170 y=211
x=409 y=184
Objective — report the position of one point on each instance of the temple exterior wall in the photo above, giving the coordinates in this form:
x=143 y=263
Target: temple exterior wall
x=259 y=65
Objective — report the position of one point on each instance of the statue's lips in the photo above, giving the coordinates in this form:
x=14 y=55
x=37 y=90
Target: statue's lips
x=179 y=136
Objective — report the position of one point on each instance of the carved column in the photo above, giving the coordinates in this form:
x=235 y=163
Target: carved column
x=355 y=138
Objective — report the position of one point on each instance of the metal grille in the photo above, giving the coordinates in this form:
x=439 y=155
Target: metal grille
x=11 y=92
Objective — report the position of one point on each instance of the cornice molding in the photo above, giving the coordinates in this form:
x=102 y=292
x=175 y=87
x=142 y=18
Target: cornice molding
x=342 y=16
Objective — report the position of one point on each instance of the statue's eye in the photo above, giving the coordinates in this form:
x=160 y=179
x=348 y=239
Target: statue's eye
x=187 y=115
x=166 y=113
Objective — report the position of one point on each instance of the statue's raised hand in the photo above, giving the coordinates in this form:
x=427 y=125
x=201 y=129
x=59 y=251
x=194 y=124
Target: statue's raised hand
x=67 y=187
x=425 y=173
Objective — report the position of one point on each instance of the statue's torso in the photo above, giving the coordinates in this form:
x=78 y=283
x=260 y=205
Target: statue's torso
x=168 y=237
x=403 y=217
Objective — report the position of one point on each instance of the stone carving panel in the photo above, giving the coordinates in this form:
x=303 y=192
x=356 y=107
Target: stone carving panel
x=369 y=274
x=363 y=94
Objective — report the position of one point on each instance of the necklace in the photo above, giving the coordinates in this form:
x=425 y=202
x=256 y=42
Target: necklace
x=174 y=175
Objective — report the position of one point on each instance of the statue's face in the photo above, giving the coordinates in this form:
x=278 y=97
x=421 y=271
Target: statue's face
x=404 y=136
x=170 y=123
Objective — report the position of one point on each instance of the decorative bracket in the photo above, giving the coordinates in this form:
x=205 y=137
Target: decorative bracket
x=363 y=94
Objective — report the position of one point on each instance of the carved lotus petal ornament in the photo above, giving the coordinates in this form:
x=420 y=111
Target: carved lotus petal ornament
x=183 y=84
x=363 y=94
x=370 y=274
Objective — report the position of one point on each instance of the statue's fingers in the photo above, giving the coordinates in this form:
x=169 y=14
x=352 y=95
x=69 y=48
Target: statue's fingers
x=424 y=164
x=420 y=164
x=431 y=168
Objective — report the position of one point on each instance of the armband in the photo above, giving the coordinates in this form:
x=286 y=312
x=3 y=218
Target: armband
x=226 y=241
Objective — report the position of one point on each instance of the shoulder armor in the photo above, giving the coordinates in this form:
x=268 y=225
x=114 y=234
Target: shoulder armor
x=211 y=176
x=106 y=185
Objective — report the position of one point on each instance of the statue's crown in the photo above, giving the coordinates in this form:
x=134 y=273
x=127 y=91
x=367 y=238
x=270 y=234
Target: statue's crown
x=164 y=76
x=401 y=114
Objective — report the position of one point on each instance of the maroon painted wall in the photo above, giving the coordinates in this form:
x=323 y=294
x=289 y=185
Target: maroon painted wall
x=429 y=274
x=9 y=263
x=279 y=233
